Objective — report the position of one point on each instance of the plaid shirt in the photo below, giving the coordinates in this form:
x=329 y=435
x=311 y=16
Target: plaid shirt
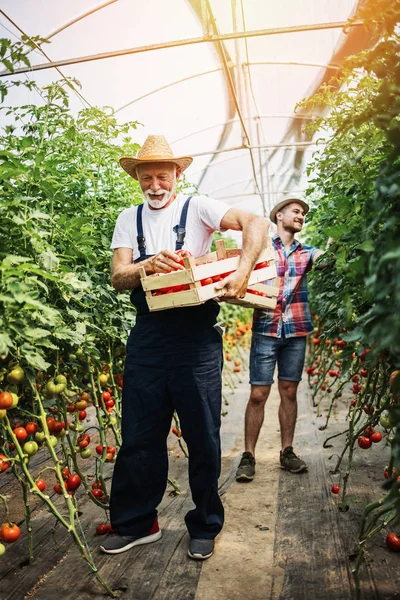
x=291 y=316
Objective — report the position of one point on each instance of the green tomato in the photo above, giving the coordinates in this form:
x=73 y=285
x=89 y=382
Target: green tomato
x=53 y=441
x=385 y=420
x=113 y=420
x=15 y=400
x=30 y=448
x=39 y=436
x=3 y=413
x=86 y=453
x=2 y=549
x=16 y=376
x=61 y=379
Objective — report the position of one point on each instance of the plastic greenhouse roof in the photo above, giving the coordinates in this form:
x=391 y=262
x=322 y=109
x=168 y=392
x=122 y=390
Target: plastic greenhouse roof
x=229 y=102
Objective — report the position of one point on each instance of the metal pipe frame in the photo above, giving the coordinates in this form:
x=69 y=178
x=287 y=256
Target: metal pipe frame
x=292 y=63
x=255 y=194
x=244 y=147
x=184 y=42
x=237 y=121
x=164 y=87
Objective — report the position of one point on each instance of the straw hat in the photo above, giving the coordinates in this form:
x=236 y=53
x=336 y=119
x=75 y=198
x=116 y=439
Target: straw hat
x=155 y=149
x=287 y=200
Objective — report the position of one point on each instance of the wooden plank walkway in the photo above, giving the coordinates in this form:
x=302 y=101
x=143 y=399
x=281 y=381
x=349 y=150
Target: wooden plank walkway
x=303 y=554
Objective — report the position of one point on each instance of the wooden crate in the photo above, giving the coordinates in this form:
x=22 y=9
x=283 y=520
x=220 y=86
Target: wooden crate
x=209 y=265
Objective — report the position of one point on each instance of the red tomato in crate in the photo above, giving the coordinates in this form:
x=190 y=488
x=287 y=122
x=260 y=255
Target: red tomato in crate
x=261 y=265
x=183 y=254
x=206 y=281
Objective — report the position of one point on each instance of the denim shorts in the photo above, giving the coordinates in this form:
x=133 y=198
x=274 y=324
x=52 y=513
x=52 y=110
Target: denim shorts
x=266 y=351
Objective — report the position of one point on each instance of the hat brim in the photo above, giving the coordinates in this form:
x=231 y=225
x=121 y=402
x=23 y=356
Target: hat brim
x=285 y=202
x=129 y=164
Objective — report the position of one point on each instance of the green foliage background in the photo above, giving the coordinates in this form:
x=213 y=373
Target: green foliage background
x=355 y=189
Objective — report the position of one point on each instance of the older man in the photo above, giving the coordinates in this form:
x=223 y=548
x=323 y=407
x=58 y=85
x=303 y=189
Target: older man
x=174 y=357
x=279 y=337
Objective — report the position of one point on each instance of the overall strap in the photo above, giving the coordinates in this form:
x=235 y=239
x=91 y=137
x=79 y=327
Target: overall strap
x=140 y=239
x=180 y=235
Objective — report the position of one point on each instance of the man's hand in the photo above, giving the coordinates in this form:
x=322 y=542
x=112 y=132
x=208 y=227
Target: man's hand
x=165 y=262
x=233 y=286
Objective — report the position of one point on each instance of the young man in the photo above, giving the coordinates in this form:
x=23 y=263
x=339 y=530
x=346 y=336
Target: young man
x=279 y=337
x=174 y=357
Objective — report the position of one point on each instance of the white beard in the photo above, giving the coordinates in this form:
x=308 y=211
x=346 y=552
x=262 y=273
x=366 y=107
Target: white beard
x=164 y=198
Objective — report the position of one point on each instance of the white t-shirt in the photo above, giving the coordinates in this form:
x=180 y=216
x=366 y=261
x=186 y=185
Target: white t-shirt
x=203 y=218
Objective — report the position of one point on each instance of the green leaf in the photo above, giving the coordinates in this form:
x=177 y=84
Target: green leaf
x=37 y=333
x=367 y=246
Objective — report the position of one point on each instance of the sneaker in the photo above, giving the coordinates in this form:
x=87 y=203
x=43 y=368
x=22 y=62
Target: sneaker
x=246 y=468
x=291 y=462
x=116 y=543
x=200 y=549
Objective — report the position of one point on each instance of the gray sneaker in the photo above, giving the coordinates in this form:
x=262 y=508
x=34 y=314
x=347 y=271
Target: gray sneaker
x=200 y=549
x=246 y=468
x=115 y=544
x=291 y=462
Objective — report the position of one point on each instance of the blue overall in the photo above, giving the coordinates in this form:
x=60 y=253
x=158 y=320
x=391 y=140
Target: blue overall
x=173 y=362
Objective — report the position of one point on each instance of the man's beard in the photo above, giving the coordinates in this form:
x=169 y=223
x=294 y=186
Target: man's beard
x=164 y=196
x=292 y=227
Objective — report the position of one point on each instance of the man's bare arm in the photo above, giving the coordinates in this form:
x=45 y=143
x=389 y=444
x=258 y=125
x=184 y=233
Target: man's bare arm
x=125 y=274
x=255 y=231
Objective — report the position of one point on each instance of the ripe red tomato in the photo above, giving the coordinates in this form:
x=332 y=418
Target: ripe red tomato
x=65 y=473
x=111 y=449
x=99 y=449
x=31 y=428
x=261 y=265
x=4 y=464
x=355 y=378
x=183 y=254
x=82 y=415
x=73 y=481
x=58 y=489
x=97 y=493
x=6 y=400
x=101 y=529
x=9 y=532
x=110 y=403
x=106 y=396
x=96 y=485
x=176 y=431
x=335 y=489
x=58 y=426
x=364 y=442
x=376 y=437
x=41 y=484
x=393 y=542
x=316 y=341
x=20 y=433
x=364 y=373
x=368 y=431
x=71 y=408
x=206 y=281
x=50 y=424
